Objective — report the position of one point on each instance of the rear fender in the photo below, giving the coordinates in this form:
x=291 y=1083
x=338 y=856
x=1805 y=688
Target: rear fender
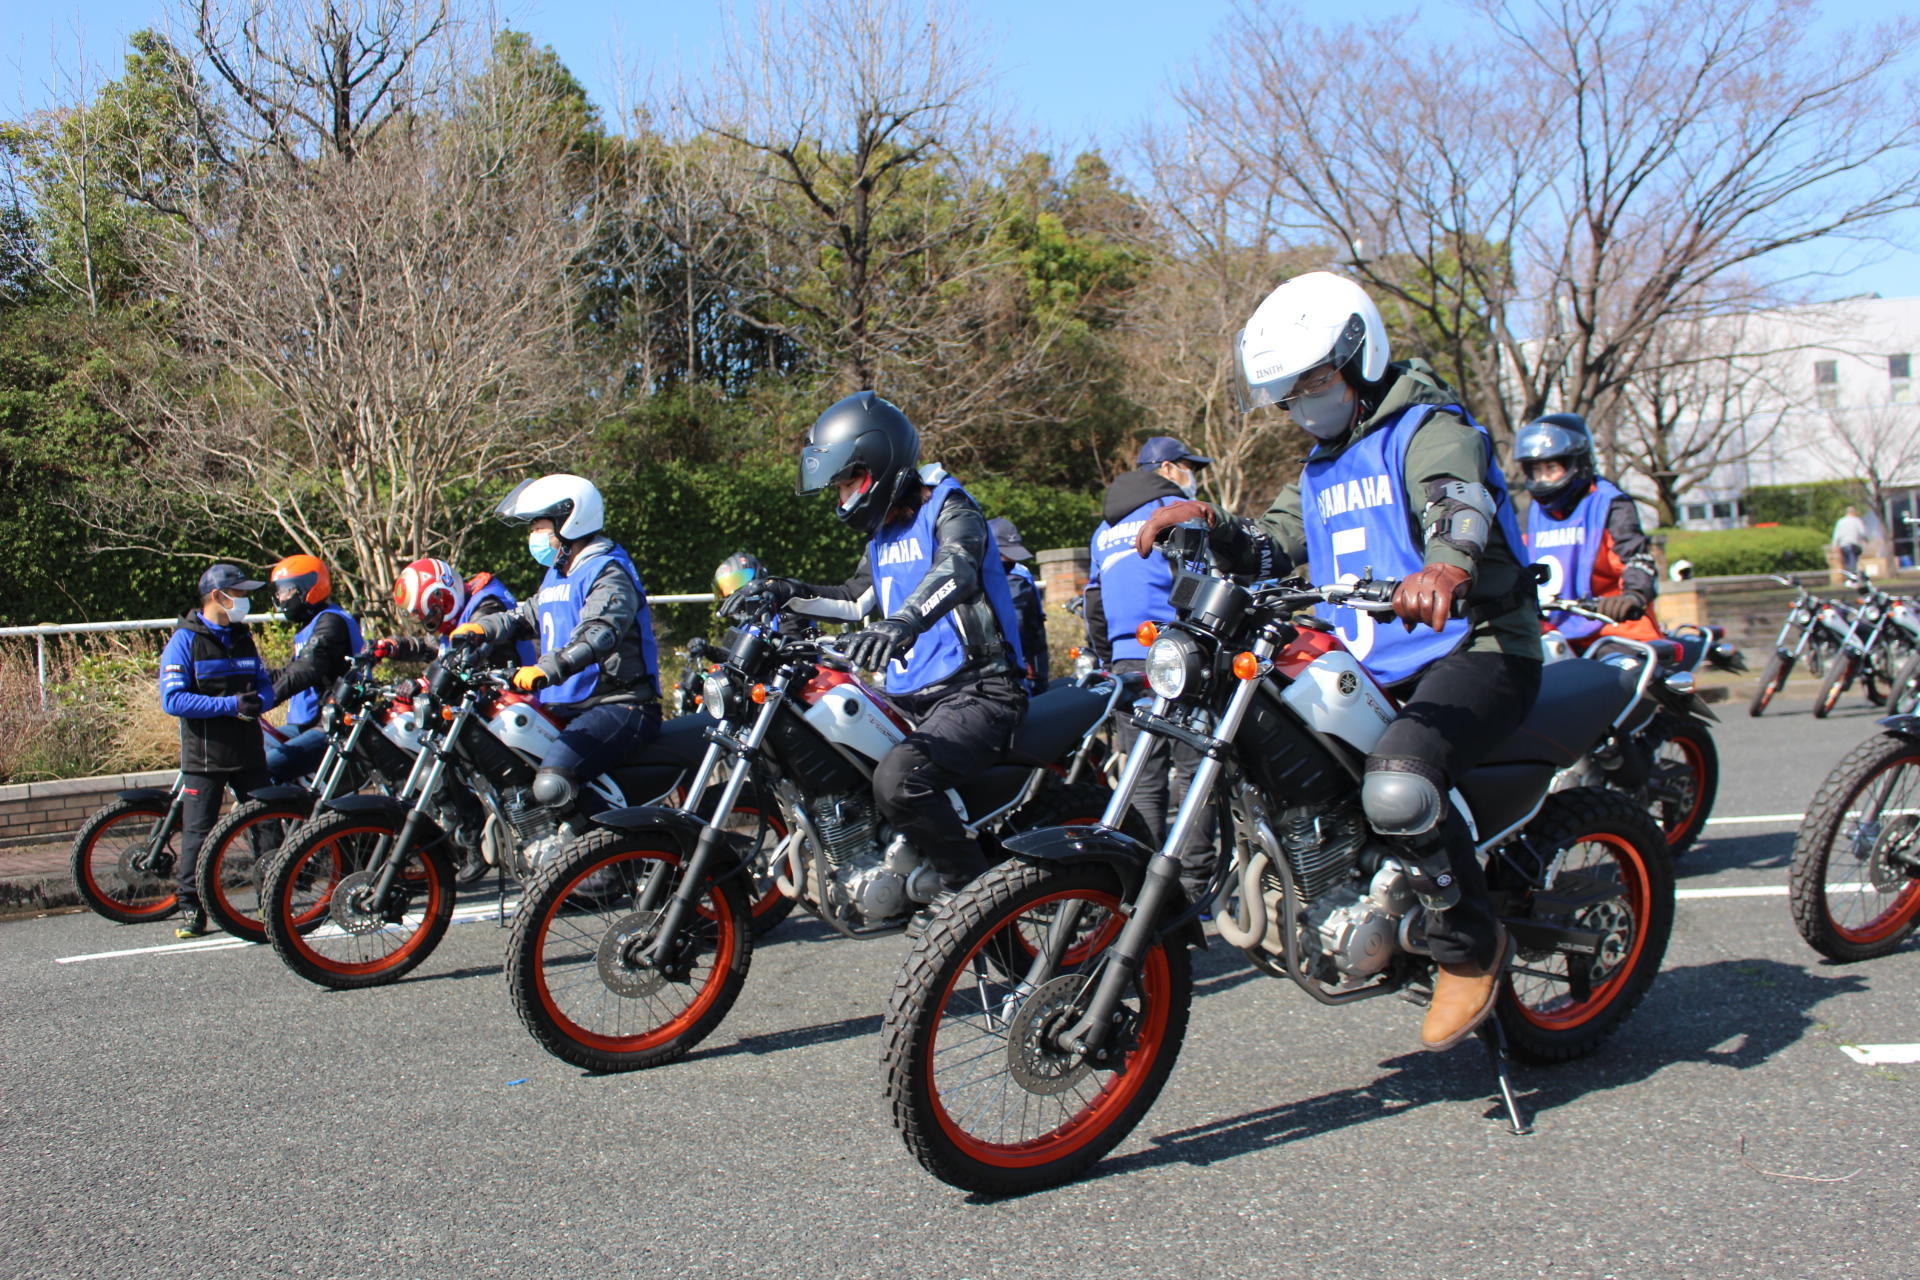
x=1104 y=846
x=146 y=795
x=1906 y=726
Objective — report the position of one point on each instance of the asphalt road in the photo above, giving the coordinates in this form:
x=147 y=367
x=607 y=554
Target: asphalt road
x=201 y=1112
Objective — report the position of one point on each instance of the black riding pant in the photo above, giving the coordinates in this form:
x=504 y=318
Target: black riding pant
x=961 y=733
x=1453 y=715
x=199 y=810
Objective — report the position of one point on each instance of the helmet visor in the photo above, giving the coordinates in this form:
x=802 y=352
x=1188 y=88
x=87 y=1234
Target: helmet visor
x=1262 y=381
x=821 y=465
x=731 y=577
x=509 y=511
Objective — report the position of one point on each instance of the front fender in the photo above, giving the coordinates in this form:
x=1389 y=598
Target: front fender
x=1128 y=857
x=146 y=795
x=371 y=805
x=677 y=826
x=1906 y=726
x=283 y=793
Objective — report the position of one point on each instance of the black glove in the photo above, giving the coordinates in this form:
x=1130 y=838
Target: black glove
x=871 y=649
x=761 y=593
x=1624 y=607
x=248 y=706
x=1232 y=546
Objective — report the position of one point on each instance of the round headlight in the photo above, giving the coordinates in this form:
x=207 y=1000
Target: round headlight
x=714 y=692
x=1173 y=665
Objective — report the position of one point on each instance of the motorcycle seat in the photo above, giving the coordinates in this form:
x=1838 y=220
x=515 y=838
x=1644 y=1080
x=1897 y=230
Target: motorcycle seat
x=1578 y=700
x=1056 y=720
x=682 y=741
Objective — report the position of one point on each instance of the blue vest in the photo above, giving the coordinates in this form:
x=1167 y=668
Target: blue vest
x=304 y=706
x=1132 y=590
x=562 y=596
x=899 y=556
x=1568 y=549
x=1354 y=506
x=525 y=650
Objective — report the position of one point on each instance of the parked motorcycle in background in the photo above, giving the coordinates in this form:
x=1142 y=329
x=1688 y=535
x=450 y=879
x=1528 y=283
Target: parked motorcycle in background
x=1037 y=1019
x=1854 y=880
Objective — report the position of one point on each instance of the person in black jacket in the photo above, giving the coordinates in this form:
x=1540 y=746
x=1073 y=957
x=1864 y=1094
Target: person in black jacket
x=1029 y=601
x=323 y=647
x=212 y=678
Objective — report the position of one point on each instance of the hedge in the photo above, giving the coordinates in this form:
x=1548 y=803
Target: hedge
x=1816 y=505
x=1719 y=552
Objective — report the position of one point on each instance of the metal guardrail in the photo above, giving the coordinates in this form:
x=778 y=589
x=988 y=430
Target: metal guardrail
x=40 y=633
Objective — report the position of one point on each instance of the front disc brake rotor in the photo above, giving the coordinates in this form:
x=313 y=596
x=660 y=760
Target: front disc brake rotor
x=1888 y=866
x=1033 y=1059
x=128 y=865
x=614 y=957
x=352 y=907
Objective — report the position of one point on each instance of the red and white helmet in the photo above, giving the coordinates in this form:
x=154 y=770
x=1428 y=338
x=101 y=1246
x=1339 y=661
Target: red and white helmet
x=431 y=591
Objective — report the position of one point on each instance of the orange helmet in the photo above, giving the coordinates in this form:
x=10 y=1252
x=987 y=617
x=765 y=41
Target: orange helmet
x=301 y=584
x=431 y=591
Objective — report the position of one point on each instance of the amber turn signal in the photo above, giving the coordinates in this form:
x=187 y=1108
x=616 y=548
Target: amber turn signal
x=1073 y=654
x=1245 y=665
x=1146 y=633
x=759 y=694
x=446 y=713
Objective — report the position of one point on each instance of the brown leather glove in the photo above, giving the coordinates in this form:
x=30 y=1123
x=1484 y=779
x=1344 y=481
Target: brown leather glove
x=1168 y=516
x=1428 y=596
x=1624 y=607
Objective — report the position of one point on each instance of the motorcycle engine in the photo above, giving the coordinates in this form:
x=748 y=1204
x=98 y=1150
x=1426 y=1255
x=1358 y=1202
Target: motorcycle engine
x=535 y=837
x=1356 y=892
x=869 y=882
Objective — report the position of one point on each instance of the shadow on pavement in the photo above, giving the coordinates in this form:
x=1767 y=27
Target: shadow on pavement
x=1767 y=850
x=1730 y=1013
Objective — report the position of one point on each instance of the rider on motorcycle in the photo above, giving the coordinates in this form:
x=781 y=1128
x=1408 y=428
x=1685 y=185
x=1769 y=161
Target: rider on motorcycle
x=948 y=636
x=435 y=594
x=598 y=668
x=1401 y=481
x=1585 y=532
x=323 y=648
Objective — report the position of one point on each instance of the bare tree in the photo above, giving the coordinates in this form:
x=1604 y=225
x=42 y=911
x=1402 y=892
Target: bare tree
x=1538 y=205
x=1877 y=444
x=372 y=346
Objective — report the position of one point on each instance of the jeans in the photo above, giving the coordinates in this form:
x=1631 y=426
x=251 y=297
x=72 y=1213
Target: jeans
x=297 y=756
x=1456 y=713
x=960 y=733
x=601 y=737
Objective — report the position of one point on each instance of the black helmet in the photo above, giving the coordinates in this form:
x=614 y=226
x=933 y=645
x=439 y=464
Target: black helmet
x=863 y=431
x=1556 y=437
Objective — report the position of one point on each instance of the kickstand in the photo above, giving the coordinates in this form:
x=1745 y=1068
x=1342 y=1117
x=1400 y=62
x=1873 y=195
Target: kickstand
x=500 y=895
x=1495 y=1039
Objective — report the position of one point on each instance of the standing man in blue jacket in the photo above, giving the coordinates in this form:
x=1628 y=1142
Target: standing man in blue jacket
x=212 y=678
x=1124 y=591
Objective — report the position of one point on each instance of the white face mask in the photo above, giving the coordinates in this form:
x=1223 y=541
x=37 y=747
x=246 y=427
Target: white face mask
x=236 y=609
x=1189 y=486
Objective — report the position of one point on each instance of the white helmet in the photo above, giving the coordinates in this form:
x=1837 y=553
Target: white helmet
x=571 y=502
x=1313 y=319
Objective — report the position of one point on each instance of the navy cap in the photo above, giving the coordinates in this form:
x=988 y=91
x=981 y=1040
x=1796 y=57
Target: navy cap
x=1159 y=449
x=229 y=578
x=1008 y=539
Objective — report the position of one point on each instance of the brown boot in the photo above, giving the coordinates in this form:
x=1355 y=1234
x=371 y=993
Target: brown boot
x=1463 y=996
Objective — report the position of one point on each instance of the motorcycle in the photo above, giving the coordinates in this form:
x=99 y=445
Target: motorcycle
x=373 y=735
x=1854 y=878
x=1038 y=1017
x=363 y=891
x=123 y=855
x=1883 y=636
x=1661 y=753
x=629 y=950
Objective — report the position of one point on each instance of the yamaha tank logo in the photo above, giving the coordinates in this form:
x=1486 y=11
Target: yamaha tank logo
x=1349 y=684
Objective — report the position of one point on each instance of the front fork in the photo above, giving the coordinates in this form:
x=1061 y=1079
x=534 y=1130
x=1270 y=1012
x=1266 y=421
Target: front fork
x=164 y=830
x=422 y=784
x=1122 y=961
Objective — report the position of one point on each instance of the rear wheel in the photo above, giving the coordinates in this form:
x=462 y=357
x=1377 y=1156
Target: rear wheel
x=1605 y=878
x=117 y=867
x=1838 y=679
x=1903 y=697
x=981 y=1090
x=1684 y=780
x=322 y=913
x=1771 y=682
x=234 y=862
x=578 y=962
x=1855 y=877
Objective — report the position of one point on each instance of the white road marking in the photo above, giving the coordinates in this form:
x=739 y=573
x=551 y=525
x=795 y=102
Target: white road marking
x=1757 y=819
x=195 y=946
x=1757 y=891
x=1882 y=1055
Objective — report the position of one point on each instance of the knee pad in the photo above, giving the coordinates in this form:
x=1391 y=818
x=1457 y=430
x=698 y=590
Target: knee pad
x=1399 y=803
x=554 y=788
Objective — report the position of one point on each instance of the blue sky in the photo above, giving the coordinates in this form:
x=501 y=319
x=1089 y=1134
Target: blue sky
x=1077 y=71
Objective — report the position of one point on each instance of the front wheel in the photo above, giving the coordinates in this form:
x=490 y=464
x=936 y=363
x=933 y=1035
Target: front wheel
x=233 y=864
x=1854 y=881
x=1603 y=880
x=1772 y=680
x=120 y=869
x=584 y=978
x=1838 y=679
x=1684 y=779
x=324 y=915
x=981 y=1090
x=1904 y=696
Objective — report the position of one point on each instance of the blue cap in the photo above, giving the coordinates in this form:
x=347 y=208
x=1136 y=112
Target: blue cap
x=1159 y=449
x=1007 y=538
x=228 y=578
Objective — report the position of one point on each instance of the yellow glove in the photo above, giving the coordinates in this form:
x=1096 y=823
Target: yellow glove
x=527 y=679
x=467 y=632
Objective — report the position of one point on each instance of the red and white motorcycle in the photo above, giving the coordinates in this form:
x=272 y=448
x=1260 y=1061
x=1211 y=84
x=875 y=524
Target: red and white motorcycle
x=631 y=947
